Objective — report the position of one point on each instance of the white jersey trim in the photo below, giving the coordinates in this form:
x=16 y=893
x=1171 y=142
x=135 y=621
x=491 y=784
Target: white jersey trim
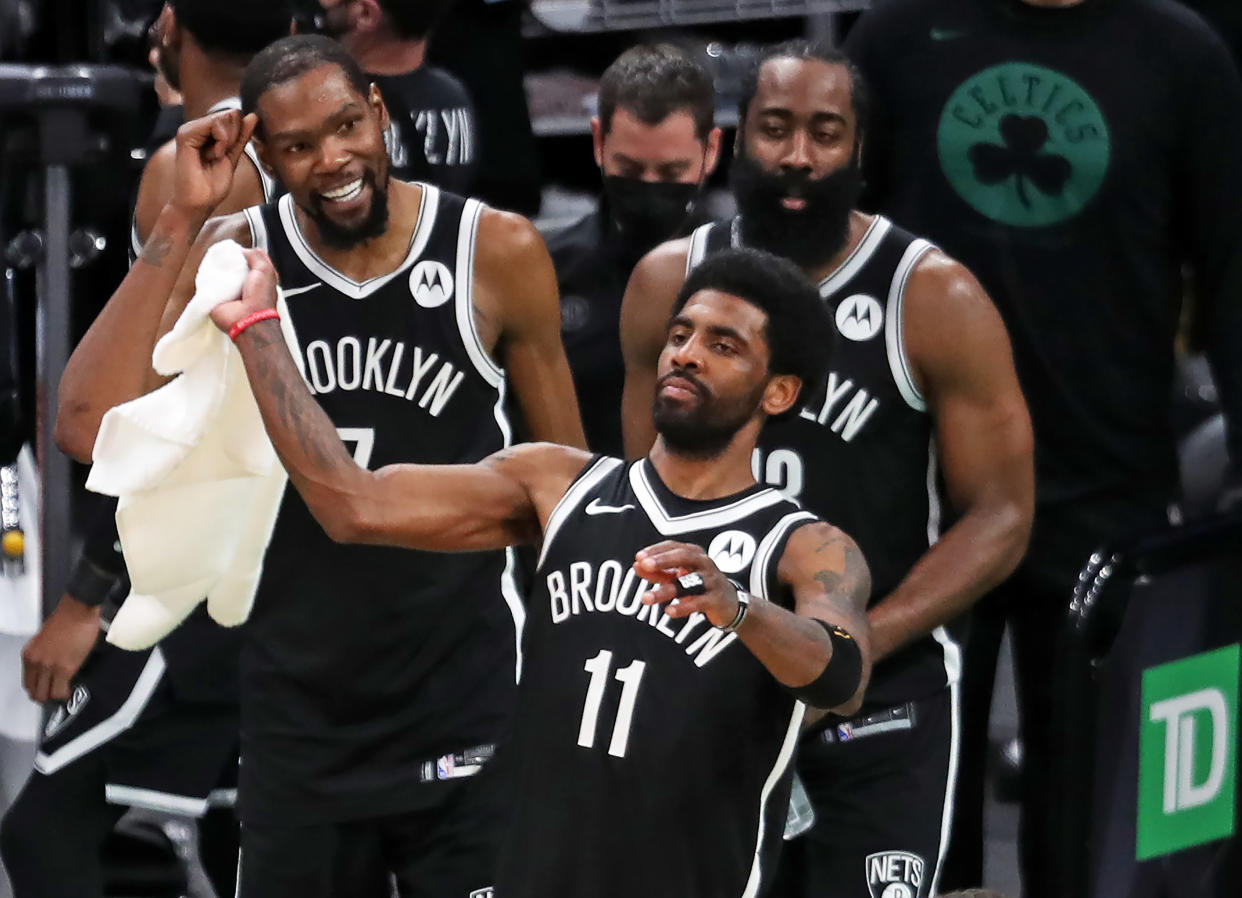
x=767 y=548
x=258 y=230
x=122 y=719
x=933 y=493
x=698 y=247
x=428 y=205
x=673 y=525
x=953 y=671
x=467 y=241
x=573 y=498
x=774 y=777
x=153 y=800
x=871 y=240
x=509 y=590
x=894 y=328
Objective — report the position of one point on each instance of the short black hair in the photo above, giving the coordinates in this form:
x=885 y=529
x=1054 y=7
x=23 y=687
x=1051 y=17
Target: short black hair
x=414 y=19
x=238 y=28
x=799 y=331
x=801 y=48
x=292 y=57
x=652 y=81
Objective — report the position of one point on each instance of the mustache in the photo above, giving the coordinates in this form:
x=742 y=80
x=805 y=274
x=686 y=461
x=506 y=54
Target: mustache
x=683 y=374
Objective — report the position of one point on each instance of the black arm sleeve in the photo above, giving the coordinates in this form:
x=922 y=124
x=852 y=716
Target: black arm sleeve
x=100 y=572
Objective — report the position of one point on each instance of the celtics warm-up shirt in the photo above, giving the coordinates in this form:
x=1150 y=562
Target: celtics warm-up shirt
x=1074 y=159
x=373 y=676
x=650 y=755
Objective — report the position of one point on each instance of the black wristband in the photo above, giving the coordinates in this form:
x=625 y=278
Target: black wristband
x=841 y=675
x=90 y=584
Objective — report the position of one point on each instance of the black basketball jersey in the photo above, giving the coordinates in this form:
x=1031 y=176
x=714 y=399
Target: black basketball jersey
x=363 y=664
x=861 y=451
x=649 y=755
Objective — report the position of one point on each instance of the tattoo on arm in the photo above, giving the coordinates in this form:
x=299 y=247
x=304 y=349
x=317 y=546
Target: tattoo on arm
x=156 y=251
x=292 y=404
x=846 y=585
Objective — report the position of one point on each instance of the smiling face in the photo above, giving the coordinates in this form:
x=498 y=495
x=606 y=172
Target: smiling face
x=713 y=373
x=325 y=142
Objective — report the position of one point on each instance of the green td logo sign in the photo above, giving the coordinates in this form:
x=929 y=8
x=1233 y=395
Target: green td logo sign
x=1188 y=736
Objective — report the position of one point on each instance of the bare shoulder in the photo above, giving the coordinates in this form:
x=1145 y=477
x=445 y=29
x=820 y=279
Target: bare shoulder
x=235 y=226
x=506 y=237
x=662 y=269
x=940 y=285
x=651 y=291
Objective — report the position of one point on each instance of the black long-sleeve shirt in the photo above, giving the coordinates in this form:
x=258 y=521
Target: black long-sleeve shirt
x=1075 y=159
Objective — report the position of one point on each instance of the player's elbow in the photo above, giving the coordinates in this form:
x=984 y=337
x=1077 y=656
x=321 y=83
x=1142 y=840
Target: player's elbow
x=72 y=433
x=1012 y=520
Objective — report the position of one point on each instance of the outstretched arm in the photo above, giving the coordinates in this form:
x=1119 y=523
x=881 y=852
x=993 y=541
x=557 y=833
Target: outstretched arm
x=497 y=502
x=112 y=363
x=830 y=583
x=958 y=345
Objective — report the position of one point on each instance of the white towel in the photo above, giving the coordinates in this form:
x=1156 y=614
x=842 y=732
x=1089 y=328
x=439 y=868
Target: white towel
x=198 y=481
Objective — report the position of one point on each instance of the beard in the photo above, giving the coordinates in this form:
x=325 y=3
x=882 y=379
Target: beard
x=704 y=430
x=810 y=236
x=345 y=237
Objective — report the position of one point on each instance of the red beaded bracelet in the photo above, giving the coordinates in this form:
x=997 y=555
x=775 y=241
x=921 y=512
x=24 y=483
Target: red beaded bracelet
x=253 y=318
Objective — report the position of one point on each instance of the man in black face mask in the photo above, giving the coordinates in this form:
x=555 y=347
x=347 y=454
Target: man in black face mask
x=921 y=409
x=655 y=145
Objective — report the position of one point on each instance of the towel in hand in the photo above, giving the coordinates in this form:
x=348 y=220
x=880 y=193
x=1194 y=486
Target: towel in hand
x=198 y=481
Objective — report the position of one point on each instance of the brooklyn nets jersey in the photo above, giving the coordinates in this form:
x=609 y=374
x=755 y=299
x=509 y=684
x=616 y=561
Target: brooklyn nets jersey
x=649 y=755
x=365 y=665
x=861 y=451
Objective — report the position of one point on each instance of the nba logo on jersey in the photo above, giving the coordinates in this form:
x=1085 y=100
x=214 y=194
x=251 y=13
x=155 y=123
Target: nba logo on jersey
x=732 y=550
x=894 y=874
x=859 y=317
x=431 y=283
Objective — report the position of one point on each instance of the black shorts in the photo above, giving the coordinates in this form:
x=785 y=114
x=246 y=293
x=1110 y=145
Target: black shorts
x=881 y=786
x=159 y=752
x=444 y=851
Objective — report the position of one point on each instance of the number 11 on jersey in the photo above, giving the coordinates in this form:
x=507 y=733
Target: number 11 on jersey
x=629 y=677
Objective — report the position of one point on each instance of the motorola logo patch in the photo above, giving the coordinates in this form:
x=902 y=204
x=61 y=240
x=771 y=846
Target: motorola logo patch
x=431 y=283
x=732 y=550
x=859 y=317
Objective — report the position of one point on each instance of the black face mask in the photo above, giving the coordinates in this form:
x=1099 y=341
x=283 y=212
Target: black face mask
x=810 y=236
x=646 y=213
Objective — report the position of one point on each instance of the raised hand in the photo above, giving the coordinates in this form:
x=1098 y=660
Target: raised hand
x=208 y=150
